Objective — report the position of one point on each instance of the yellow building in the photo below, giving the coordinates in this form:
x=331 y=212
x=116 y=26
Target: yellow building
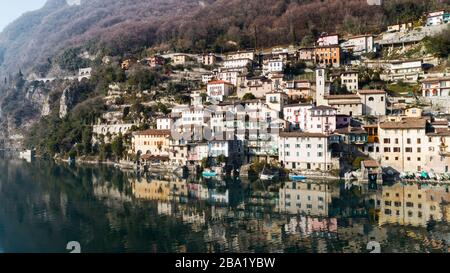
x=413 y=205
x=158 y=189
x=151 y=142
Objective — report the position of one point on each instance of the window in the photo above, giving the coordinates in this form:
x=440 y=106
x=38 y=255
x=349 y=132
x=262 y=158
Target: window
x=371 y=99
x=419 y=150
x=387 y=149
x=387 y=140
x=408 y=150
x=419 y=141
x=408 y=141
x=396 y=149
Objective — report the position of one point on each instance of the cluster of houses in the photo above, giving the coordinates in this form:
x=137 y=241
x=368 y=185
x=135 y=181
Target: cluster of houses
x=314 y=136
x=250 y=109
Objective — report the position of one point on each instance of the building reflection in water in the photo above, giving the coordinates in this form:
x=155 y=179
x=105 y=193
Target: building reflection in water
x=295 y=216
x=414 y=205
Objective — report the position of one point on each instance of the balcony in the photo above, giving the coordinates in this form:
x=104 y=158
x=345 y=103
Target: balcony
x=443 y=150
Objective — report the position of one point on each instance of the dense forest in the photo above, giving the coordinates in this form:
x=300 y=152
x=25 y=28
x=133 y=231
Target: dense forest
x=120 y=26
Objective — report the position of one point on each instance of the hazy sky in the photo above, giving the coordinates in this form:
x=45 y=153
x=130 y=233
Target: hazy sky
x=12 y=9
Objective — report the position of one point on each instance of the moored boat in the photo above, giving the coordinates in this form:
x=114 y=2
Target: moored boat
x=297 y=177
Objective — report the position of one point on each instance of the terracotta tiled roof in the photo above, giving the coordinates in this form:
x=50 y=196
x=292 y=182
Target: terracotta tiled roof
x=371 y=164
x=407 y=123
x=218 y=82
x=342 y=97
x=367 y=92
x=301 y=134
x=440 y=122
x=322 y=107
x=350 y=130
x=436 y=79
x=153 y=132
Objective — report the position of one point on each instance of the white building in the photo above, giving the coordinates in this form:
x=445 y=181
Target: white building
x=218 y=90
x=350 y=80
x=305 y=151
x=164 y=123
x=251 y=55
x=406 y=71
x=233 y=77
x=436 y=18
x=276 y=100
x=373 y=102
x=349 y=105
x=206 y=78
x=374 y=2
x=328 y=40
x=358 y=45
x=237 y=63
x=273 y=66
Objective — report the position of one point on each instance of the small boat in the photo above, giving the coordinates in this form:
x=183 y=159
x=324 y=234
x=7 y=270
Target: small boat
x=446 y=176
x=418 y=175
x=266 y=176
x=438 y=177
x=296 y=177
x=209 y=173
x=431 y=175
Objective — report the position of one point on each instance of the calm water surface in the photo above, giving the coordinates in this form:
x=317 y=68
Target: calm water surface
x=43 y=206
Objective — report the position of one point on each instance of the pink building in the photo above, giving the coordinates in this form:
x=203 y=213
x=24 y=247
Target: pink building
x=297 y=115
x=322 y=119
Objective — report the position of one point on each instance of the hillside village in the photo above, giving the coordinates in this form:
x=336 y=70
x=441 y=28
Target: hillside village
x=373 y=102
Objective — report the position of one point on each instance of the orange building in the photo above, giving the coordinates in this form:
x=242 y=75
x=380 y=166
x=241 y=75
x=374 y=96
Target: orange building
x=372 y=131
x=328 y=55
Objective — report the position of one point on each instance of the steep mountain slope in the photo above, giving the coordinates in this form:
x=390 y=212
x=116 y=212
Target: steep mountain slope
x=40 y=34
x=195 y=25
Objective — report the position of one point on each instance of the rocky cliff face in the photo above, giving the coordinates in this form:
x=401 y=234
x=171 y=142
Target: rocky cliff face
x=24 y=105
x=40 y=97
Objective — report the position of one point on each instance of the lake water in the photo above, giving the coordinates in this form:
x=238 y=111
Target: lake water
x=43 y=206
